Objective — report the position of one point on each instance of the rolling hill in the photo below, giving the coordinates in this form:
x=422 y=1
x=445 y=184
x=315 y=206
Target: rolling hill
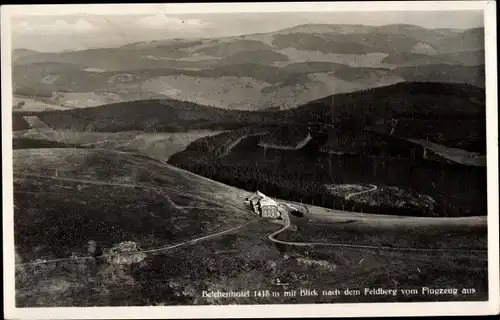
x=418 y=100
x=236 y=86
x=444 y=73
x=150 y=116
x=462 y=58
x=161 y=145
x=255 y=72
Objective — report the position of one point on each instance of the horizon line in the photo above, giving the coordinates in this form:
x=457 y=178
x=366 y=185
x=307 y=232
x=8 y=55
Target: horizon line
x=252 y=34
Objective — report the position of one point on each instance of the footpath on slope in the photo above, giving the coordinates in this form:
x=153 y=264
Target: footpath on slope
x=373 y=188
x=286 y=225
x=187 y=242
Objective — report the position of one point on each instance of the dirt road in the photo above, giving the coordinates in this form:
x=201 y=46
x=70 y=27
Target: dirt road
x=373 y=188
x=168 y=247
x=286 y=225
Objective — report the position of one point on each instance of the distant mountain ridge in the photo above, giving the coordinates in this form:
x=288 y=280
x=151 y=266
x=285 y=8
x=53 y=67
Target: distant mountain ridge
x=280 y=69
x=402 y=29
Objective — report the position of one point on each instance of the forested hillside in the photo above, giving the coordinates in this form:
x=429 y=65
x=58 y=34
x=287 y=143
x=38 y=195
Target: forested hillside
x=417 y=100
x=359 y=138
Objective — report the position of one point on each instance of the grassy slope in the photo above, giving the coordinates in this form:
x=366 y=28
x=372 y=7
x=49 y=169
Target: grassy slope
x=243 y=260
x=29 y=143
x=108 y=167
x=161 y=145
x=444 y=73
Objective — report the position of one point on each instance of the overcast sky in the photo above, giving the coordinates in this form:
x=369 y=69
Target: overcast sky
x=50 y=33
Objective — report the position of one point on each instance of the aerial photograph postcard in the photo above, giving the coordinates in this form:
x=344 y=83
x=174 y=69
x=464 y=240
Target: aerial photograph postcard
x=159 y=157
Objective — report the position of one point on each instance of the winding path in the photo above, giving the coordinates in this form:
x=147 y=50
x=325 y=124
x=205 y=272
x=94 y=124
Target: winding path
x=373 y=188
x=394 y=127
x=286 y=225
x=233 y=144
x=187 y=242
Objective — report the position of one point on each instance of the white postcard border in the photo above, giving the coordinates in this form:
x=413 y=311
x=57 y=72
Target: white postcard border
x=255 y=311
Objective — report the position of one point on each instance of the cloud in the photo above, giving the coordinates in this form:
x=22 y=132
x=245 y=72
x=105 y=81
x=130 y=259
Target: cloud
x=172 y=23
x=56 y=27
